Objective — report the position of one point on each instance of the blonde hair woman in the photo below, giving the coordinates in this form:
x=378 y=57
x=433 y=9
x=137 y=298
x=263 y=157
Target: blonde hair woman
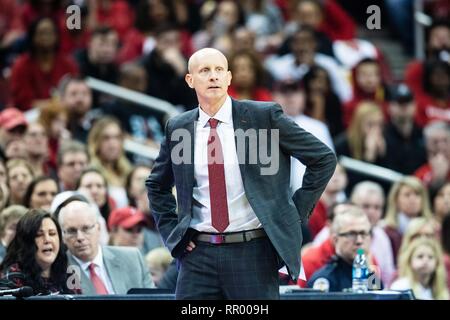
x=363 y=140
x=421 y=268
x=105 y=147
x=408 y=199
x=421 y=227
x=365 y=133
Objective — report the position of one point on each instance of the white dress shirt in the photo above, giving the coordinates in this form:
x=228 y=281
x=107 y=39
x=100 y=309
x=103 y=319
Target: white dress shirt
x=241 y=215
x=100 y=269
x=321 y=132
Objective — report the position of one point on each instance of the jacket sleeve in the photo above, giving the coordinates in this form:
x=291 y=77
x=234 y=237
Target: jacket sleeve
x=320 y=161
x=159 y=187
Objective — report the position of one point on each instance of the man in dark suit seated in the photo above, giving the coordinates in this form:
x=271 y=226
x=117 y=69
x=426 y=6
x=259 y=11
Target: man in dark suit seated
x=99 y=269
x=350 y=231
x=236 y=222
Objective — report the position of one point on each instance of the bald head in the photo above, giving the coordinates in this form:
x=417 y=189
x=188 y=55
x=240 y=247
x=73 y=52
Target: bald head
x=74 y=208
x=203 y=54
x=81 y=230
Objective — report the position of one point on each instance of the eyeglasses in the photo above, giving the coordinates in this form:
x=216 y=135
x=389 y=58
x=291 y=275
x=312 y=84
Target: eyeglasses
x=353 y=235
x=135 y=229
x=73 y=232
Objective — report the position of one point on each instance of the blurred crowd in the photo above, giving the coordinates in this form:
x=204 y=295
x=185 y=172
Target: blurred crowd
x=306 y=55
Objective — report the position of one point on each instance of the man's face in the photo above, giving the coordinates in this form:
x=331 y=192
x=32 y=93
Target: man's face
x=209 y=76
x=73 y=163
x=36 y=140
x=168 y=40
x=368 y=77
x=291 y=101
x=439 y=38
x=304 y=47
x=103 y=48
x=15 y=133
x=402 y=113
x=438 y=142
x=309 y=14
x=132 y=237
x=81 y=231
x=111 y=143
x=16 y=149
x=372 y=204
x=77 y=98
x=352 y=235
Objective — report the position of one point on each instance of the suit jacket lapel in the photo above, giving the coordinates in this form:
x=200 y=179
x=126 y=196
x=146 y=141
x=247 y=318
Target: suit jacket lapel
x=240 y=121
x=86 y=285
x=114 y=270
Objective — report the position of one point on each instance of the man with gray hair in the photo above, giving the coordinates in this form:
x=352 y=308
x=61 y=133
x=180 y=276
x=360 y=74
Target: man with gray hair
x=369 y=196
x=98 y=269
x=72 y=159
x=437 y=141
x=350 y=231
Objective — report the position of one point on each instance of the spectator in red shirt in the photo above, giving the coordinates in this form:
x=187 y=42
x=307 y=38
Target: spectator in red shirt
x=36 y=9
x=116 y=14
x=367 y=86
x=437 y=47
x=151 y=15
x=11 y=27
x=37 y=71
x=316 y=257
x=437 y=142
x=434 y=103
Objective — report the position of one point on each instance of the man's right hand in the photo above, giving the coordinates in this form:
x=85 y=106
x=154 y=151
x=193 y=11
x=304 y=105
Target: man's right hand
x=190 y=246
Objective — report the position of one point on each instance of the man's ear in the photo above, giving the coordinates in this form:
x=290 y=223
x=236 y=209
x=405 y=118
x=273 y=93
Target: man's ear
x=189 y=80
x=229 y=77
x=334 y=238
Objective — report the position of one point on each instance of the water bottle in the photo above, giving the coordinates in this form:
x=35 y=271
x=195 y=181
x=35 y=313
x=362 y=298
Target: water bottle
x=360 y=272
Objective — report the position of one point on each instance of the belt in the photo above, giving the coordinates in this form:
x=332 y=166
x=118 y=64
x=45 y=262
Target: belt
x=235 y=237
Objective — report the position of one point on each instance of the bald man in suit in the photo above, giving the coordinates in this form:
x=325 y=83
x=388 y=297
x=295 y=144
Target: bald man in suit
x=234 y=222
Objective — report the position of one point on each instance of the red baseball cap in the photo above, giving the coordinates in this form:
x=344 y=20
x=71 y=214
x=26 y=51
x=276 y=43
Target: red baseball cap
x=11 y=118
x=126 y=217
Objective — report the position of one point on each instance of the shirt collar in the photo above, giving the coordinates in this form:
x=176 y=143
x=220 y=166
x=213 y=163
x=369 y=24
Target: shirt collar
x=224 y=114
x=98 y=260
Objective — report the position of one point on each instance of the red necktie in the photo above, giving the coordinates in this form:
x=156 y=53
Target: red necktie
x=98 y=284
x=216 y=174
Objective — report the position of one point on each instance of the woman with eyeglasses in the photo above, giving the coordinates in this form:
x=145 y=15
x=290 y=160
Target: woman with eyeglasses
x=36 y=257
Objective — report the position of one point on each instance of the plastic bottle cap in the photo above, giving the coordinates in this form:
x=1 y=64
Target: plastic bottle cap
x=360 y=251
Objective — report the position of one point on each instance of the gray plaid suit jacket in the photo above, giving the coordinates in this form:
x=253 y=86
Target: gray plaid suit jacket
x=279 y=212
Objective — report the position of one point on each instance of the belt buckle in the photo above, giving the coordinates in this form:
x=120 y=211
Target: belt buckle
x=217 y=238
